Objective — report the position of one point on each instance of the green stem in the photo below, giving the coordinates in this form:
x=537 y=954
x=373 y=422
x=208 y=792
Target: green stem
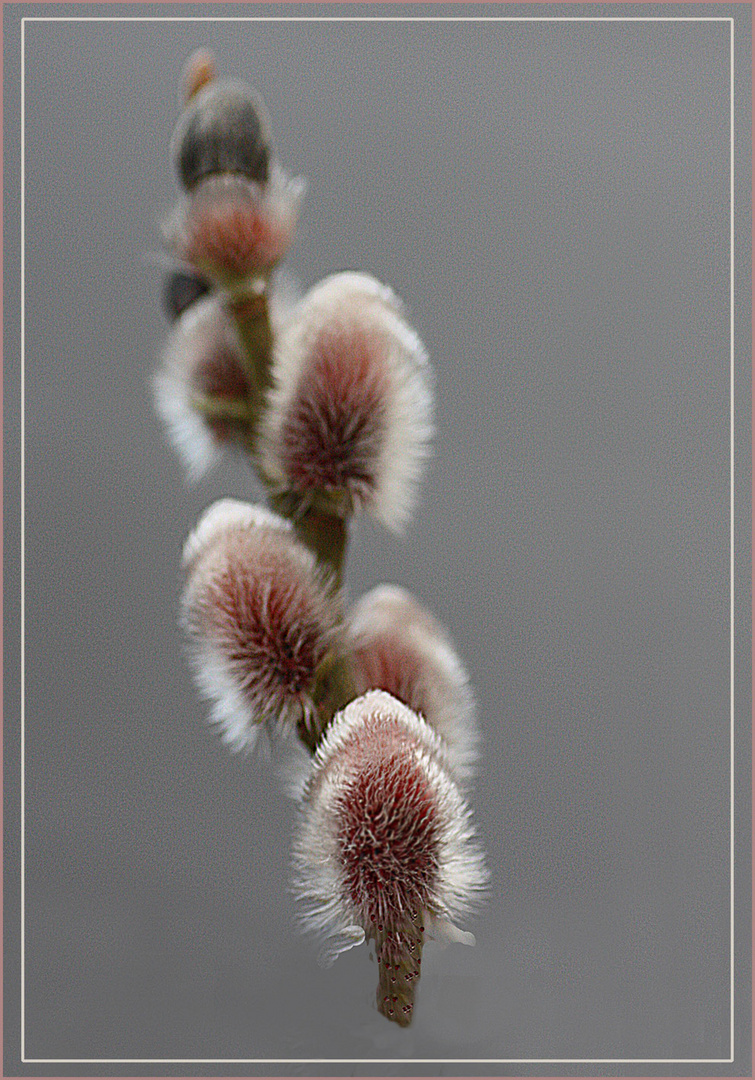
x=326 y=535
x=252 y=319
x=324 y=531
x=321 y=525
x=399 y=957
x=234 y=410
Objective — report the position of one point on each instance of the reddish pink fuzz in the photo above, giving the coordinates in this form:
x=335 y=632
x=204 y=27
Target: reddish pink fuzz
x=400 y=647
x=350 y=409
x=202 y=366
x=259 y=616
x=234 y=230
x=385 y=847
x=388 y=832
x=331 y=434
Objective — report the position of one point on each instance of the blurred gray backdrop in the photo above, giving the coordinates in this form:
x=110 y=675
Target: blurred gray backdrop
x=552 y=201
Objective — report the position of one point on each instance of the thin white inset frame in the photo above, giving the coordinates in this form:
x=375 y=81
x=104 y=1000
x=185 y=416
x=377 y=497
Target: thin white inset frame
x=380 y=1061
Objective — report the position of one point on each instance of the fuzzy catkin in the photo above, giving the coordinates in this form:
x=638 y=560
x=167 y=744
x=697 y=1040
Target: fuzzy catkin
x=259 y=617
x=398 y=646
x=385 y=835
x=350 y=412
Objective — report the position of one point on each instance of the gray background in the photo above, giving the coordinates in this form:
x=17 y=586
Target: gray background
x=552 y=202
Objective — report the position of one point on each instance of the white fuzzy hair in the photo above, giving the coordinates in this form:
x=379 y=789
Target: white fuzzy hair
x=354 y=301
x=390 y=621
x=203 y=330
x=228 y=514
x=246 y=556
x=319 y=883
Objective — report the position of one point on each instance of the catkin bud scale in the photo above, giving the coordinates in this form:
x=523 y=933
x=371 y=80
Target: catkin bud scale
x=223 y=129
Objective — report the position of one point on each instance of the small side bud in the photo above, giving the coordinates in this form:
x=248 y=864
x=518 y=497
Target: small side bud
x=259 y=617
x=201 y=386
x=224 y=128
x=398 y=646
x=350 y=412
x=181 y=290
x=385 y=848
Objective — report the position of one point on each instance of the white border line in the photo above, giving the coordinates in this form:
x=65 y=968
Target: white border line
x=382 y=1061
x=23 y=541
x=731 y=535
x=377 y=18
x=379 y=1061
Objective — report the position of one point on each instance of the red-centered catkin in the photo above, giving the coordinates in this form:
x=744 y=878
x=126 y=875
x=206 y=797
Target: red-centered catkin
x=235 y=230
x=259 y=617
x=200 y=375
x=350 y=412
x=398 y=646
x=385 y=848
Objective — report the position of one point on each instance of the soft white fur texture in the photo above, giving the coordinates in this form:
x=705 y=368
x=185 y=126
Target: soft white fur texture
x=259 y=618
x=397 y=639
x=346 y=303
x=202 y=331
x=353 y=745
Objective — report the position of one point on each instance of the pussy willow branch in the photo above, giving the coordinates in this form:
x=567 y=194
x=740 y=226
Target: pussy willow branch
x=383 y=704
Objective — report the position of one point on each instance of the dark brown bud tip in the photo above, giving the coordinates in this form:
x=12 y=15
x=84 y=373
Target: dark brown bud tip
x=224 y=128
x=181 y=290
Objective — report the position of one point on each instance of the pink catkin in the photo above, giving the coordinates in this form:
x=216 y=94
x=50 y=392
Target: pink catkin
x=398 y=646
x=259 y=609
x=221 y=375
x=385 y=848
x=350 y=409
x=233 y=229
x=259 y=616
x=331 y=432
x=202 y=359
x=386 y=664
x=234 y=238
x=388 y=829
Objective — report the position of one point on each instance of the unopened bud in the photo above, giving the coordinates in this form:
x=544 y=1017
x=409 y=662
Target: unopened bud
x=224 y=128
x=385 y=849
x=181 y=290
x=259 y=616
x=398 y=646
x=351 y=408
x=201 y=387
